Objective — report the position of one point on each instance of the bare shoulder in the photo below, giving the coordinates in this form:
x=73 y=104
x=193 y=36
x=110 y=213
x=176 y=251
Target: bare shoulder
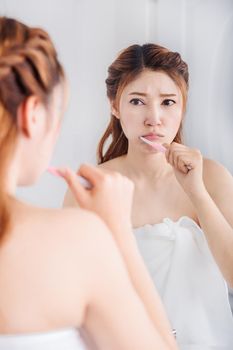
x=73 y=237
x=116 y=164
x=60 y=249
x=65 y=226
x=216 y=177
x=92 y=245
x=86 y=231
x=75 y=222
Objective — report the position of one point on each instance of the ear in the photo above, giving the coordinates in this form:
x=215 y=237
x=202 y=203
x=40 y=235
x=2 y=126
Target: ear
x=114 y=110
x=29 y=116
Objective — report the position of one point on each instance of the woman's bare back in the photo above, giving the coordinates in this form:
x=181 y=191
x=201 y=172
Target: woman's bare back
x=43 y=267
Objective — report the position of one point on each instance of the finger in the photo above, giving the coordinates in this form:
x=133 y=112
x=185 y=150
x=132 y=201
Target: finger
x=167 y=146
x=174 y=157
x=171 y=152
x=171 y=157
x=177 y=156
x=93 y=174
x=181 y=166
x=189 y=167
x=73 y=182
x=175 y=150
x=184 y=164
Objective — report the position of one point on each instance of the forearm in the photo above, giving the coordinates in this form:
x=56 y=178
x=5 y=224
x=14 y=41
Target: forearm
x=144 y=286
x=218 y=232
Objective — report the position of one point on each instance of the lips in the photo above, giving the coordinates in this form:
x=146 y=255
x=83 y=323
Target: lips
x=153 y=137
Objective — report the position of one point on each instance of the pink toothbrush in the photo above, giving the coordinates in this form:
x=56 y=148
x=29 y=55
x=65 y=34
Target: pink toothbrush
x=155 y=145
x=82 y=180
x=160 y=148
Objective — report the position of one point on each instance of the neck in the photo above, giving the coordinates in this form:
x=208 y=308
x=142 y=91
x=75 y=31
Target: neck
x=11 y=174
x=10 y=182
x=148 y=166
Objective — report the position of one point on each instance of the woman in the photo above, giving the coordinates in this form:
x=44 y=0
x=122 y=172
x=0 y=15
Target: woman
x=182 y=207
x=53 y=280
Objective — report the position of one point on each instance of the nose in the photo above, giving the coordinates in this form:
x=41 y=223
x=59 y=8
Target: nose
x=153 y=117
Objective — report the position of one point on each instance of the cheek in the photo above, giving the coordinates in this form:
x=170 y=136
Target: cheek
x=174 y=120
x=130 y=126
x=131 y=120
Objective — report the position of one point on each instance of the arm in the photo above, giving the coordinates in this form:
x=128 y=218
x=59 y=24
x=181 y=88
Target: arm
x=116 y=317
x=142 y=282
x=116 y=214
x=214 y=207
x=210 y=188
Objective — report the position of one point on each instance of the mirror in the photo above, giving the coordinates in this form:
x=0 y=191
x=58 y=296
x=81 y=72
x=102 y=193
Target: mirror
x=89 y=34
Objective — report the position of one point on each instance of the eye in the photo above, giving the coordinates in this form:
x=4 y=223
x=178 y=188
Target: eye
x=168 y=102
x=136 y=102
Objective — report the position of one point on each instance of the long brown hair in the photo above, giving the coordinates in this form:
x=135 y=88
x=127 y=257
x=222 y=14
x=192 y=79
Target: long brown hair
x=127 y=66
x=28 y=66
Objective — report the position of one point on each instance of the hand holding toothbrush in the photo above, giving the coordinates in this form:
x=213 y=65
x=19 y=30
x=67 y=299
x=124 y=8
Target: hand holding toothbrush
x=186 y=163
x=108 y=194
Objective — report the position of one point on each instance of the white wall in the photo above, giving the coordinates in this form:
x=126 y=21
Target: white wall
x=209 y=49
x=88 y=34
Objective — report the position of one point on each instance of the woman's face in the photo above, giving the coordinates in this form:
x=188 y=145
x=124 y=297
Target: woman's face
x=150 y=106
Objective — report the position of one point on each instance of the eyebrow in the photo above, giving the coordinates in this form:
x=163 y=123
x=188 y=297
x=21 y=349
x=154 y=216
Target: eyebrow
x=144 y=94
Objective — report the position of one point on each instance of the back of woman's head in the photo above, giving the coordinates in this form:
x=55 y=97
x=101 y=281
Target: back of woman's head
x=28 y=66
x=127 y=66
